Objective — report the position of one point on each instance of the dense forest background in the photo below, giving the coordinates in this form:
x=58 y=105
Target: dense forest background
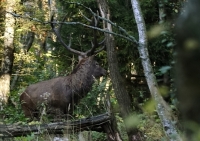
x=30 y=53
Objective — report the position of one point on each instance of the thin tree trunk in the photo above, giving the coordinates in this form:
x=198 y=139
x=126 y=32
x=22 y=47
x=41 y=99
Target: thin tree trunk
x=163 y=110
x=162 y=13
x=8 y=57
x=118 y=85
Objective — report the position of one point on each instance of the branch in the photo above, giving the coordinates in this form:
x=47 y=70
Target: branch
x=85 y=17
x=27 y=17
x=97 y=28
x=107 y=20
x=93 y=123
x=126 y=36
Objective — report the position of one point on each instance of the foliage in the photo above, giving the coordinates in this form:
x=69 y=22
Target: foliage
x=13 y=112
x=151 y=127
x=27 y=138
x=96 y=100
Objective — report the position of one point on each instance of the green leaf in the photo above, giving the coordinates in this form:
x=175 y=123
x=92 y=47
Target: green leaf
x=164 y=69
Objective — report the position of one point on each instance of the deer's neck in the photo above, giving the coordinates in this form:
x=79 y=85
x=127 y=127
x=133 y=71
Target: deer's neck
x=82 y=82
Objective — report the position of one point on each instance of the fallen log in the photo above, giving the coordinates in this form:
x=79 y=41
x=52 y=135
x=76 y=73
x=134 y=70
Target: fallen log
x=96 y=123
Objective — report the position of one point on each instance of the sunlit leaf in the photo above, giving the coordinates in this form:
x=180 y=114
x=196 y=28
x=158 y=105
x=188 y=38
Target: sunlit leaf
x=149 y=106
x=164 y=69
x=170 y=44
x=132 y=121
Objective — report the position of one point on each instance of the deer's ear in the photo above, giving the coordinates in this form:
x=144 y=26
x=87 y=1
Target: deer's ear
x=92 y=57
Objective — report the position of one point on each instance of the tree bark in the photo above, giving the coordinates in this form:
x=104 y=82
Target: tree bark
x=163 y=110
x=117 y=82
x=7 y=62
x=188 y=67
x=100 y=123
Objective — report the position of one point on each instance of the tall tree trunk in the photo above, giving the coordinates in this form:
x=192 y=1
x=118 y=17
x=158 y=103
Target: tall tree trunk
x=8 y=57
x=163 y=110
x=188 y=67
x=118 y=85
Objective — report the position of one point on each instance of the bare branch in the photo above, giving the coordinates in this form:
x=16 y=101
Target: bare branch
x=104 y=19
x=27 y=17
x=125 y=36
x=85 y=17
x=129 y=38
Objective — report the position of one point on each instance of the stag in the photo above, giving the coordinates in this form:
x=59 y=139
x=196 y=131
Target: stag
x=61 y=93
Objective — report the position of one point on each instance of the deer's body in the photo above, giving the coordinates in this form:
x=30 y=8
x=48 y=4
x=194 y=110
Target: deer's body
x=62 y=92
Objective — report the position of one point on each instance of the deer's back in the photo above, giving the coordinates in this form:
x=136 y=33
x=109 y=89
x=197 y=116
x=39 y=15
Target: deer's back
x=54 y=91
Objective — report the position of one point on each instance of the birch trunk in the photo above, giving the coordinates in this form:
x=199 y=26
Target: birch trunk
x=8 y=56
x=163 y=110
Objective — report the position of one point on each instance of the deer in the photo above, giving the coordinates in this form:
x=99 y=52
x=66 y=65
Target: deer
x=60 y=94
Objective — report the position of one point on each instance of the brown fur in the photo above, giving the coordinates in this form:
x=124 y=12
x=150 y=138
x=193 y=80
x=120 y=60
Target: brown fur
x=61 y=91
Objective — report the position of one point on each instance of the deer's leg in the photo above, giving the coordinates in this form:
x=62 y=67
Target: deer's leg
x=25 y=104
